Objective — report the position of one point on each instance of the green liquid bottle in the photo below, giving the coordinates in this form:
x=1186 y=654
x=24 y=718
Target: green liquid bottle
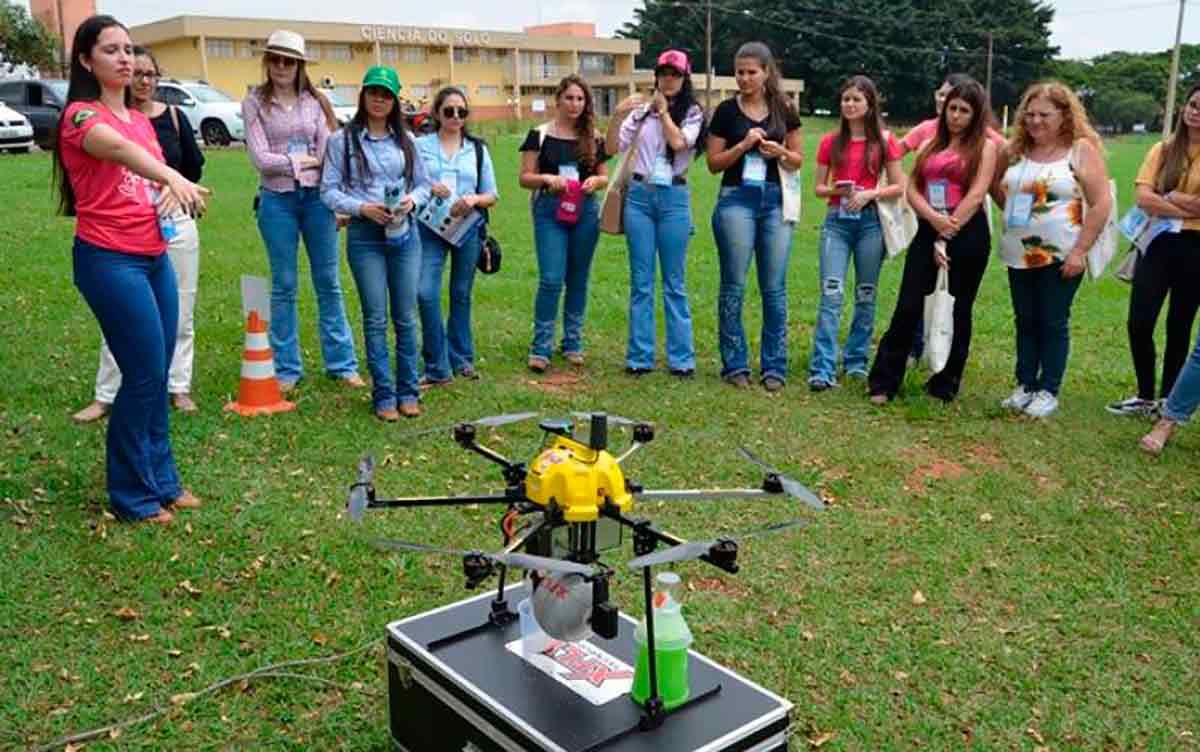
x=672 y=638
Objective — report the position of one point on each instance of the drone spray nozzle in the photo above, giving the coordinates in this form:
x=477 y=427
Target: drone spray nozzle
x=464 y=434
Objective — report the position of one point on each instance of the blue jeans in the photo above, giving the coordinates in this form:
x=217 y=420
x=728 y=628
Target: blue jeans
x=1041 y=301
x=135 y=300
x=282 y=219
x=1185 y=395
x=748 y=224
x=564 y=259
x=841 y=240
x=658 y=225
x=449 y=349
x=387 y=272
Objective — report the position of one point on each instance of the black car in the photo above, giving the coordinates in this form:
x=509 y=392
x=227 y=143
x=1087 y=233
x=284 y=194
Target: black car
x=41 y=101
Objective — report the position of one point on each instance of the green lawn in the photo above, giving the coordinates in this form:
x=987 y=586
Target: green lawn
x=1057 y=564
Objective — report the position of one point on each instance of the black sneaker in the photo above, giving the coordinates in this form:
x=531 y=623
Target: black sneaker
x=683 y=373
x=819 y=385
x=1134 y=407
x=637 y=372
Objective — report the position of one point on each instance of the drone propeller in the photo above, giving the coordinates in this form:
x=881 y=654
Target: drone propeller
x=357 y=503
x=696 y=549
x=615 y=420
x=524 y=561
x=492 y=421
x=791 y=486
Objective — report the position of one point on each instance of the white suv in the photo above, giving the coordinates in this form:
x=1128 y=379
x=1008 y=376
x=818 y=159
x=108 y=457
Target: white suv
x=342 y=110
x=216 y=116
x=16 y=134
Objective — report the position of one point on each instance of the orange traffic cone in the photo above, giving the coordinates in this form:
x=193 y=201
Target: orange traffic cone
x=258 y=392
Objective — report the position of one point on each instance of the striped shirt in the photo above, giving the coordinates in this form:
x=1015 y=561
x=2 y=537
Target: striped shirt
x=276 y=138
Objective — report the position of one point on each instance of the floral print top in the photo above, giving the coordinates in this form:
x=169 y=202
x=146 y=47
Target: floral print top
x=1055 y=219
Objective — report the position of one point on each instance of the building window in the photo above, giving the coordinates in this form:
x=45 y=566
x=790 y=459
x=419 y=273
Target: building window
x=488 y=91
x=462 y=54
x=338 y=52
x=597 y=64
x=416 y=55
x=218 y=47
x=492 y=57
x=419 y=91
x=390 y=53
x=247 y=49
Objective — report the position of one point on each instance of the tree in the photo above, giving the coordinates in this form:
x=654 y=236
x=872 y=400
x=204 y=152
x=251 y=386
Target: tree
x=906 y=46
x=1122 y=108
x=23 y=40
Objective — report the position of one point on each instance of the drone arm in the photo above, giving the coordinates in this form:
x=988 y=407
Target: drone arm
x=464 y=434
x=438 y=501
x=659 y=536
x=625 y=455
x=704 y=494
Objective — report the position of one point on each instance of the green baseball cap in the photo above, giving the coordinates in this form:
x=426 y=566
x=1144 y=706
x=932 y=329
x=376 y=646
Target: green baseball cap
x=383 y=77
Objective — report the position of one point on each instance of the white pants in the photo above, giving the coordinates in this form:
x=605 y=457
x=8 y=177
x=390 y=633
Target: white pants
x=184 y=251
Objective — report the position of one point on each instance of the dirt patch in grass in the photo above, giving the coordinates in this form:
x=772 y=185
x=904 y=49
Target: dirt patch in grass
x=562 y=383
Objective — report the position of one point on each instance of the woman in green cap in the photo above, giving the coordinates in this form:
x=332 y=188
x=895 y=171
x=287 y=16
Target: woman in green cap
x=374 y=175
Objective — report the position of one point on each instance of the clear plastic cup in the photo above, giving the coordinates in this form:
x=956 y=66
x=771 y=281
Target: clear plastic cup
x=533 y=639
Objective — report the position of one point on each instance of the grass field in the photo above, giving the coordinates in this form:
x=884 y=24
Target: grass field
x=1057 y=566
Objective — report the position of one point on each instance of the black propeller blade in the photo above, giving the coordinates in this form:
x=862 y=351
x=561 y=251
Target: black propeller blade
x=524 y=561
x=696 y=549
x=357 y=503
x=791 y=486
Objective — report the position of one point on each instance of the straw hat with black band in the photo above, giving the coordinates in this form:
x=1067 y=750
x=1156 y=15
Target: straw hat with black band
x=284 y=43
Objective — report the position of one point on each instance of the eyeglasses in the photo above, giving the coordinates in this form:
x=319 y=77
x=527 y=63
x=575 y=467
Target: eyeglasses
x=455 y=112
x=145 y=75
x=285 y=62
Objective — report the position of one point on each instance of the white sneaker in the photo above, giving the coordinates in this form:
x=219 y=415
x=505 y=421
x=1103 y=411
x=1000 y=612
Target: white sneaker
x=1018 y=400
x=1042 y=405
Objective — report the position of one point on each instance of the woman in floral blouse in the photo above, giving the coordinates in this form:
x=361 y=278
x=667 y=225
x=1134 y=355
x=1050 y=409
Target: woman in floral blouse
x=1055 y=165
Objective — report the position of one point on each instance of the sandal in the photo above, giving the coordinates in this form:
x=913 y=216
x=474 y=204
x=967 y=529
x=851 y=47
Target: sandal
x=162 y=518
x=186 y=500
x=1154 y=442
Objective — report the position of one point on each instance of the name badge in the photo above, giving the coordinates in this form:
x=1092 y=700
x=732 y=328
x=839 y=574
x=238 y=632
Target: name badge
x=570 y=171
x=844 y=212
x=664 y=171
x=1021 y=211
x=297 y=146
x=938 y=190
x=754 y=169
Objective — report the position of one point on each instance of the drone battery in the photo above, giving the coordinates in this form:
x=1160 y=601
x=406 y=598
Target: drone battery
x=458 y=683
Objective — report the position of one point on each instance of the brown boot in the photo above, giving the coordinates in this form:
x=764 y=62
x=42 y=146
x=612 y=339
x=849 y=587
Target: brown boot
x=410 y=409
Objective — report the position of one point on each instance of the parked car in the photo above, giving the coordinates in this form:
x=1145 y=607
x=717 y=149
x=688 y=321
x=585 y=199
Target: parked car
x=41 y=101
x=216 y=116
x=342 y=110
x=16 y=134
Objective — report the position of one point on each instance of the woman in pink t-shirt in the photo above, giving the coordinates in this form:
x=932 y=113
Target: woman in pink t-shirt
x=850 y=162
x=111 y=176
x=949 y=182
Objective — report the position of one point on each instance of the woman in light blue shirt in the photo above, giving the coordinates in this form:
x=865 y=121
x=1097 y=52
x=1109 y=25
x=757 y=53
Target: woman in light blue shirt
x=372 y=174
x=461 y=170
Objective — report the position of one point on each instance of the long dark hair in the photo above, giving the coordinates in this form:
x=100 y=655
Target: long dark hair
x=1175 y=151
x=971 y=142
x=585 y=124
x=440 y=98
x=780 y=108
x=354 y=134
x=872 y=124
x=83 y=87
x=679 y=108
x=303 y=84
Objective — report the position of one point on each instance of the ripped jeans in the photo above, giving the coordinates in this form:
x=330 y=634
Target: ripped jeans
x=841 y=240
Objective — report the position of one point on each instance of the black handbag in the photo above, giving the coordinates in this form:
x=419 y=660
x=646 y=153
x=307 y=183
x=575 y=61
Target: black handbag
x=489 y=250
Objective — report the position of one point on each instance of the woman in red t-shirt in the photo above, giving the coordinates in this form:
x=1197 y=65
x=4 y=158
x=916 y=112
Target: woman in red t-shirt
x=112 y=178
x=850 y=162
x=949 y=183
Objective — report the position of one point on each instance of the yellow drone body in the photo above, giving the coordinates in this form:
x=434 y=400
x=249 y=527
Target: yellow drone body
x=577 y=479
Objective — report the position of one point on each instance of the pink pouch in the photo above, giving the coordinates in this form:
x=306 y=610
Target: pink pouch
x=570 y=203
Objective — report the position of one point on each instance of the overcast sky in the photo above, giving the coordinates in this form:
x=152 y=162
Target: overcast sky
x=1082 y=28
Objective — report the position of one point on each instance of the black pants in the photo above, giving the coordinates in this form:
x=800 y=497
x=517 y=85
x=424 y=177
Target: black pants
x=968 y=253
x=1170 y=265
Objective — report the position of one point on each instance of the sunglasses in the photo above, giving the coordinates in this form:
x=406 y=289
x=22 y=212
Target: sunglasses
x=286 y=62
x=455 y=112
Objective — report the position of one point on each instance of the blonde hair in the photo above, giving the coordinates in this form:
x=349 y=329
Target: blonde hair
x=1075 y=124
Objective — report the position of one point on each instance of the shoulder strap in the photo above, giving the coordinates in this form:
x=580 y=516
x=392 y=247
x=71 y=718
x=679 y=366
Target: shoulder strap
x=478 y=162
x=174 y=117
x=542 y=131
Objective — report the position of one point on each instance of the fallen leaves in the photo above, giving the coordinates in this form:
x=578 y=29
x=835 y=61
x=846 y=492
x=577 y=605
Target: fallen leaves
x=918 y=598
x=187 y=587
x=816 y=742
x=125 y=613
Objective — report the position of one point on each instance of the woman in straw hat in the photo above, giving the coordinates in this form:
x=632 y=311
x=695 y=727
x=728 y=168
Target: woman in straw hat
x=287 y=124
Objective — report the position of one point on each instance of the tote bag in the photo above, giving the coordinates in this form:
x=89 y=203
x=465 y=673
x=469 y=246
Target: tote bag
x=1105 y=247
x=897 y=220
x=939 y=323
x=612 y=211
